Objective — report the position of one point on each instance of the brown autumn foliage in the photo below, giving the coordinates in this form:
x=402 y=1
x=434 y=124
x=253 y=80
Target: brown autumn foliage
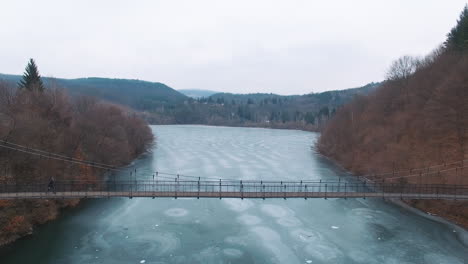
x=416 y=119
x=79 y=127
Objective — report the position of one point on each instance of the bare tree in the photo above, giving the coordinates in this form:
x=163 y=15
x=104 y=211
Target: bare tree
x=402 y=68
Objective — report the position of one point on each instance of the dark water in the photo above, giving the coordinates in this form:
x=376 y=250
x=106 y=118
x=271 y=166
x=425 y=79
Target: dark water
x=143 y=230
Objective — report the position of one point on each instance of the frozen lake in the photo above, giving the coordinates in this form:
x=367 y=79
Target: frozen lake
x=207 y=231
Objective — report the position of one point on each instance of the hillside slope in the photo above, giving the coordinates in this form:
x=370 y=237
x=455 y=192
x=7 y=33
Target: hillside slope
x=418 y=118
x=308 y=111
x=140 y=95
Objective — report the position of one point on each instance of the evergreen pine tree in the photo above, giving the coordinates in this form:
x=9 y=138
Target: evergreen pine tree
x=457 y=39
x=31 y=78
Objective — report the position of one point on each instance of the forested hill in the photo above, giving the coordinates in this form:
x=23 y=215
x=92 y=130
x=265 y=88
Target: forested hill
x=418 y=118
x=308 y=111
x=336 y=97
x=161 y=104
x=140 y=95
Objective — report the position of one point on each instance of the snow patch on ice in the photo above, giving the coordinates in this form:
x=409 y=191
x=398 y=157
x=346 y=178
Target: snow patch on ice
x=176 y=212
x=238 y=205
x=275 y=211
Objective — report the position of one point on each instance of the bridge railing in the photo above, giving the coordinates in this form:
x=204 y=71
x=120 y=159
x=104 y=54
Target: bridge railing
x=200 y=187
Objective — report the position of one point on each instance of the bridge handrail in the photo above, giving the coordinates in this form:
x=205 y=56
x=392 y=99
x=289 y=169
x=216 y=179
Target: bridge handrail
x=231 y=186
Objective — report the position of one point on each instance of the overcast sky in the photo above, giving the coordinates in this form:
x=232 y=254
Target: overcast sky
x=284 y=47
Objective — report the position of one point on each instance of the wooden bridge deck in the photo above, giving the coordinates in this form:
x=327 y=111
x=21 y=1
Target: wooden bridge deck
x=257 y=195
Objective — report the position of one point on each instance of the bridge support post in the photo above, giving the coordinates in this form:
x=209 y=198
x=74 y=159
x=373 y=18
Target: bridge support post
x=345 y=194
x=284 y=192
x=383 y=188
x=325 y=191
x=220 y=189
x=305 y=194
x=176 y=186
x=363 y=190
x=198 y=193
x=242 y=190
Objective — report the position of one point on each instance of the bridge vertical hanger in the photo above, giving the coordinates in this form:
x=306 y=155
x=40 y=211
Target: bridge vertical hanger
x=420 y=183
x=383 y=188
x=153 y=187
x=284 y=192
x=345 y=193
x=220 y=189
x=198 y=194
x=242 y=190
x=325 y=191
x=305 y=193
x=339 y=184
x=263 y=191
x=176 y=186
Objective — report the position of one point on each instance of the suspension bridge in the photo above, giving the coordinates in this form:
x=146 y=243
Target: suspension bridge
x=175 y=186
x=233 y=189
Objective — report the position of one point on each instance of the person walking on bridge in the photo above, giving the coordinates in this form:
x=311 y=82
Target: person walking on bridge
x=51 y=185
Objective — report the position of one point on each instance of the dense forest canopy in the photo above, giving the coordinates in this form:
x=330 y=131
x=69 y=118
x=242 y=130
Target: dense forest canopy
x=308 y=111
x=417 y=118
x=46 y=118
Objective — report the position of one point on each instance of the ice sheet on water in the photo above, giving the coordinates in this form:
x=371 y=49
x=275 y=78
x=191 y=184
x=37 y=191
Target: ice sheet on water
x=237 y=240
x=325 y=252
x=176 y=212
x=271 y=240
x=247 y=219
x=238 y=205
x=208 y=255
x=359 y=256
x=232 y=252
x=307 y=235
x=152 y=243
x=289 y=221
x=435 y=258
x=275 y=211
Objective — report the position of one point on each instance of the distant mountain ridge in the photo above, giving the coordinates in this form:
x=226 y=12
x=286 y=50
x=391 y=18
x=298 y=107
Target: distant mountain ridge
x=163 y=105
x=197 y=93
x=140 y=95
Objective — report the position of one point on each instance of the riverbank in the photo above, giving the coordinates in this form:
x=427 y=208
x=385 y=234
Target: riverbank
x=22 y=217
x=19 y=218
x=49 y=134
x=453 y=212
x=460 y=229
x=287 y=125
